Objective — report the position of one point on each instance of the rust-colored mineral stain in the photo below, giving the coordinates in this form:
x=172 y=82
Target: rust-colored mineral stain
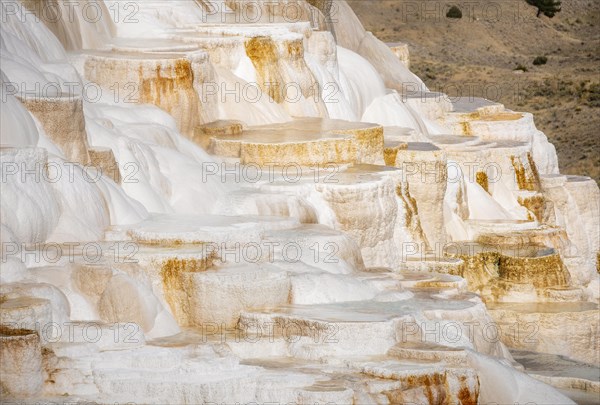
x=411 y=203
x=262 y=51
x=527 y=178
x=520 y=174
x=173 y=283
x=541 y=272
x=295 y=49
x=466 y=397
x=6 y=331
x=437 y=388
x=390 y=153
x=479 y=270
x=389 y=156
x=466 y=128
x=428 y=382
x=535 y=175
x=482 y=180
x=172 y=268
x=171 y=88
x=159 y=89
x=536 y=205
x=411 y=211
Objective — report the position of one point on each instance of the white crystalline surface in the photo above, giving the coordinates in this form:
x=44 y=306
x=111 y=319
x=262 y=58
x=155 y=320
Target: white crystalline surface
x=153 y=252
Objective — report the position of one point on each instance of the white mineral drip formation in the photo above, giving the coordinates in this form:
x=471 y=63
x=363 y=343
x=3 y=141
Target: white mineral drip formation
x=221 y=201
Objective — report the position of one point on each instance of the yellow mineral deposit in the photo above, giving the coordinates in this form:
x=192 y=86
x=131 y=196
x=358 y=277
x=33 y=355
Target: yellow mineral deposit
x=263 y=53
x=536 y=205
x=306 y=251
x=526 y=173
x=165 y=80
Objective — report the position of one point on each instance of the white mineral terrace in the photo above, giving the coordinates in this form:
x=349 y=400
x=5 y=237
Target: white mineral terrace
x=205 y=202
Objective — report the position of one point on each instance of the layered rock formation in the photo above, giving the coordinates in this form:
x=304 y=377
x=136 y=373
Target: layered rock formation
x=221 y=202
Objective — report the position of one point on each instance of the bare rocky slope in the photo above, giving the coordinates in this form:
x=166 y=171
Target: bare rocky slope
x=489 y=52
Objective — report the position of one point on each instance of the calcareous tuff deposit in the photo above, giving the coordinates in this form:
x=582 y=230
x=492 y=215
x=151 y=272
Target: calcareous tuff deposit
x=235 y=201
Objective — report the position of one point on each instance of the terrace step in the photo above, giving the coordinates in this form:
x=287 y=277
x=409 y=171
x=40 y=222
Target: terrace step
x=304 y=142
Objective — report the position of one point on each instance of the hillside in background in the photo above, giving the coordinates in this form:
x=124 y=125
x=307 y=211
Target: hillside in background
x=489 y=53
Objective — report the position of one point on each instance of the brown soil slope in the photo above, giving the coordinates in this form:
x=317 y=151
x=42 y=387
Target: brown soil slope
x=478 y=55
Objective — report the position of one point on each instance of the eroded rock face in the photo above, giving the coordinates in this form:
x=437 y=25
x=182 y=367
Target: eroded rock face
x=20 y=363
x=401 y=52
x=587 y=196
x=546 y=271
x=424 y=167
x=104 y=160
x=578 y=216
x=327 y=279
x=434 y=388
x=64 y=123
x=168 y=81
x=541 y=327
x=219 y=296
x=28 y=313
x=373 y=232
x=283 y=74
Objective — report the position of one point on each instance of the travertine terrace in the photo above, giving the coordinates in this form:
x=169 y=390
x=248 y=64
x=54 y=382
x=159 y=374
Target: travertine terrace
x=234 y=201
